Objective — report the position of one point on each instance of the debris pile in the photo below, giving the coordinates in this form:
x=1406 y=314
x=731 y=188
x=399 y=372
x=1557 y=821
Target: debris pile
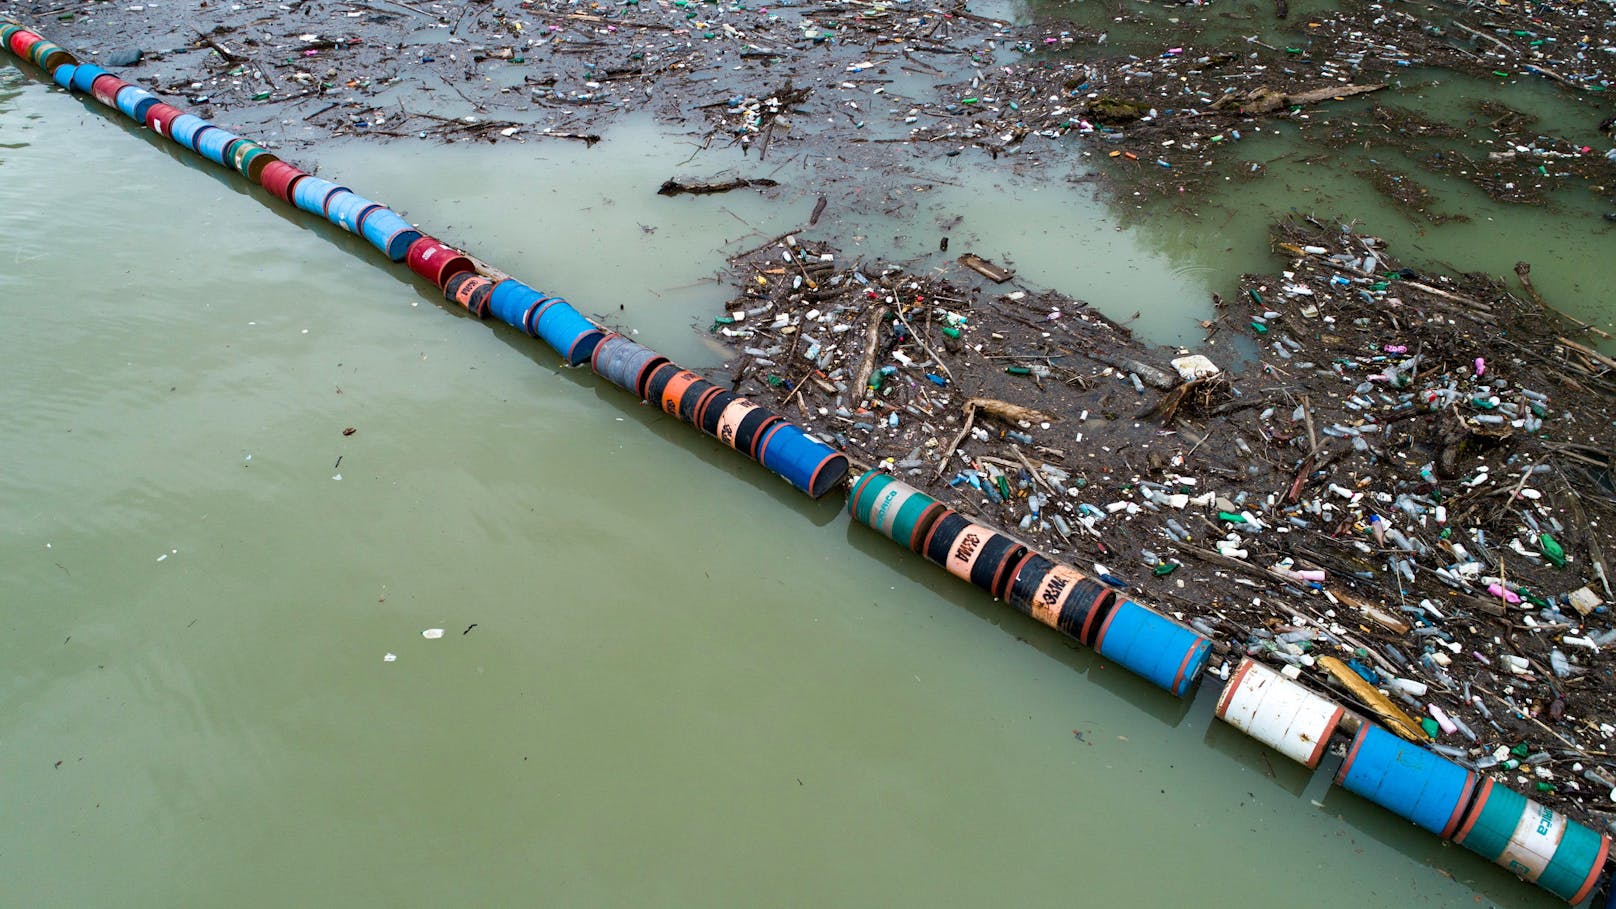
x=1412 y=476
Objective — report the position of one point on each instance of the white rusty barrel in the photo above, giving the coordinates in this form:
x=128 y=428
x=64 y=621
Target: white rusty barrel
x=1278 y=712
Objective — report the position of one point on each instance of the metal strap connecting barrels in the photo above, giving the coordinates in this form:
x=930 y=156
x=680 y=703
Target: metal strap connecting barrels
x=1493 y=821
x=1136 y=637
x=773 y=441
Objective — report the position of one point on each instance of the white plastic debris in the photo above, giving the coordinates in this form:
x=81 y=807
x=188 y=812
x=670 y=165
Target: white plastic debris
x=1194 y=367
x=390 y=658
x=432 y=634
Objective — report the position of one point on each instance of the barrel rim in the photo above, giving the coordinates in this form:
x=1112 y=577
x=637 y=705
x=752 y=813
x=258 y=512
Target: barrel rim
x=257 y=164
x=706 y=395
x=572 y=354
x=856 y=488
x=1102 y=610
x=652 y=379
x=762 y=444
x=1231 y=686
x=704 y=405
x=768 y=425
x=594 y=356
x=814 y=489
x=1352 y=752
x=1483 y=792
x=535 y=314
x=1015 y=552
x=1597 y=867
x=642 y=379
x=1325 y=736
x=1198 y=654
x=925 y=549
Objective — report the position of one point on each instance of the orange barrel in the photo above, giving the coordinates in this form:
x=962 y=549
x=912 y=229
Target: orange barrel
x=1059 y=596
x=1153 y=646
x=1282 y=714
x=160 y=116
x=625 y=363
x=436 y=261
x=471 y=291
x=657 y=382
x=742 y=424
x=974 y=553
x=674 y=390
x=1538 y=843
x=277 y=177
x=893 y=508
x=1407 y=780
x=105 y=89
x=84 y=75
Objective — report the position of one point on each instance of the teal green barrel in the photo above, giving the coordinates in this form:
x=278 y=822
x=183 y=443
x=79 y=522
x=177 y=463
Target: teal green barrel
x=893 y=508
x=1153 y=646
x=1407 y=780
x=1536 y=842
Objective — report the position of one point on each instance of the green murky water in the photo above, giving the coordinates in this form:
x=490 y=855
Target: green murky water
x=665 y=679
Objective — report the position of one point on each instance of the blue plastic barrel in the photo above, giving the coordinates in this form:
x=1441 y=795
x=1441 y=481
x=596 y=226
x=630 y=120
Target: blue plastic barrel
x=1153 y=646
x=1407 y=780
x=84 y=76
x=346 y=209
x=134 y=101
x=562 y=327
x=63 y=75
x=389 y=233
x=1534 y=841
x=583 y=348
x=213 y=143
x=510 y=301
x=806 y=463
x=186 y=129
x=311 y=193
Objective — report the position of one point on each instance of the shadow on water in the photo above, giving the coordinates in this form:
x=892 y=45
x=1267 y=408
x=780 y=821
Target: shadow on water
x=1138 y=693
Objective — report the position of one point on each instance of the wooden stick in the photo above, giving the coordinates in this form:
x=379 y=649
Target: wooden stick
x=1588 y=352
x=923 y=346
x=872 y=340
x=1312 y=436
x=1036 y=474
x=970 y=418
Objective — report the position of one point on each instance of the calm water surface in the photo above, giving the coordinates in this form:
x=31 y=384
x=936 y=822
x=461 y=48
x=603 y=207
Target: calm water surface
x=666 y=678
